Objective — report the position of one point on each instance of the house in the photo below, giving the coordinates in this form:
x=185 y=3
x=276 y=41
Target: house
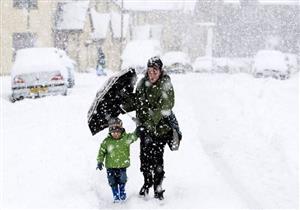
x=86 y=28
x=92 y=29
x=89 y=33
x=107 y=35
x=81 y=28
x=22 y=27
x=71 y=29
x=162 y=23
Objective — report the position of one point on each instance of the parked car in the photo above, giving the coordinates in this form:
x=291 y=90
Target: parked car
x=40 y=72
x=70 y=64
x=292 y=62
x=203 y=64
x=269 y=63
x=239 y=64
x=222 y=65
x=177 y=62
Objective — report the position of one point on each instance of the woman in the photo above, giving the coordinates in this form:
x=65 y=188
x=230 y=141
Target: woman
x=154 y=100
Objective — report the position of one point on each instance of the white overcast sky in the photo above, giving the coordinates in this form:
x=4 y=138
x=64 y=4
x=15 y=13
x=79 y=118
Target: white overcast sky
x=268 y=1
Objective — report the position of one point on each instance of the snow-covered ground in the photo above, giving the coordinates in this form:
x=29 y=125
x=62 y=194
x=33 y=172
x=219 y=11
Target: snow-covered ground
x=239 y=149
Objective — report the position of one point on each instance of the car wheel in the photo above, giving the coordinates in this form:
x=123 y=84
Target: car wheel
x=258 y=75
x=65 y=93
x=71 y=83
x=283 y=77
x=12 y=99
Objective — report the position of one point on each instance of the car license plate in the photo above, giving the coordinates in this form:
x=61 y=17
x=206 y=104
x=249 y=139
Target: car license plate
x=38 y=90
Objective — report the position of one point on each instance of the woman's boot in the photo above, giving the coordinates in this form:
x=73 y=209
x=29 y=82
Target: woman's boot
x=148 y=182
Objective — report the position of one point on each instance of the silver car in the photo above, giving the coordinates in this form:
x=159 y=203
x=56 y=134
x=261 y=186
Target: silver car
x=177 y=62
x=270 y=63
x=38 y=72
x=69 y=63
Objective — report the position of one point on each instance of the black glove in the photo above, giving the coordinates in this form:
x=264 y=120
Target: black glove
x=99 y=166
x=140 y=131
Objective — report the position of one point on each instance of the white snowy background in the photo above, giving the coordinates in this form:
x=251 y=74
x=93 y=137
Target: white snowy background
x=240 y=147
x=239 y=150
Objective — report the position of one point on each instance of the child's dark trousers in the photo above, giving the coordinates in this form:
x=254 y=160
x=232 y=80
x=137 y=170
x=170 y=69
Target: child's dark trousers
x=117 y=179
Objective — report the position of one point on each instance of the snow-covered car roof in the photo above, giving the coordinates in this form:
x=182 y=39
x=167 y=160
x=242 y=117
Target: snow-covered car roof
x=31 y=60
x=137 y=52
x=203 y=62
x=172 y=57
x=270 y=59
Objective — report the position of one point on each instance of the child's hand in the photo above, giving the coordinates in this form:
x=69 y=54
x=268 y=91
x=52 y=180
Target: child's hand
x=99 y=166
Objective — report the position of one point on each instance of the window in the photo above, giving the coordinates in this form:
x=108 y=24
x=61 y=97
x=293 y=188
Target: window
x=156 y=31
x=58 y=17
x=147 y=32
x=25 y=4
x=23 y=40
x=61 y=40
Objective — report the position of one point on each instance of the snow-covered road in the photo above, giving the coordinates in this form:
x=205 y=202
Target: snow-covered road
x=239 y=150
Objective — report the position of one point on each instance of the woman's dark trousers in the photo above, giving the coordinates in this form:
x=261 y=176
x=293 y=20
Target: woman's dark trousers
x=152 y=163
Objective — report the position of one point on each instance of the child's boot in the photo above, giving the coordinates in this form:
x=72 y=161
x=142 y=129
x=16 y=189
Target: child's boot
x=115 y=192
x=122 y=192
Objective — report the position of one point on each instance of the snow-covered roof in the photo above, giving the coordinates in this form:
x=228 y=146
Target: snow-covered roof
x=31 y=60
x=172 y=57
x=148 y=5
x=116 y=24
x=100 y=23
x=72 y=15
x=137 y=53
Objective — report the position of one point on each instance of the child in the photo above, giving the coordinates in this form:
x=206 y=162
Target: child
x=115 y=149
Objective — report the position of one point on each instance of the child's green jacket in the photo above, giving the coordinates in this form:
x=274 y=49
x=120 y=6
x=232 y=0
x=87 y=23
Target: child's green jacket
x=116 y=152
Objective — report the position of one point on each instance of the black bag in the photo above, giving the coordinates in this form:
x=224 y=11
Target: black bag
x=176 y=137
